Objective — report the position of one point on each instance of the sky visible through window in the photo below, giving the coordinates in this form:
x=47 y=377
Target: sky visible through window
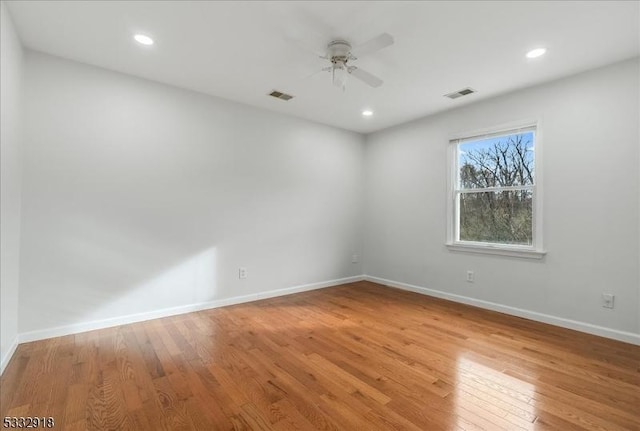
x=490 y=142
x=467 y=150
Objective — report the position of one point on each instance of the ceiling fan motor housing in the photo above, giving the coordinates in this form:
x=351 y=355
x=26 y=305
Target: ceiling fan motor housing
x=339 y=51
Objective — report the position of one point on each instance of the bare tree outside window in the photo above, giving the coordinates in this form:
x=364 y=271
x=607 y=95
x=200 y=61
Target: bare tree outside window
x=496 y=180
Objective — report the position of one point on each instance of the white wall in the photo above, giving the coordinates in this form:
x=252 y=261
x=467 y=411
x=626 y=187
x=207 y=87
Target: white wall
x=140 y=196
x=589 y=124
x=11 y=159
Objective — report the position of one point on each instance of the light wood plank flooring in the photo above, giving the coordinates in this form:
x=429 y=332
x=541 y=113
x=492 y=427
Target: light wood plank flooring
x=354 y=357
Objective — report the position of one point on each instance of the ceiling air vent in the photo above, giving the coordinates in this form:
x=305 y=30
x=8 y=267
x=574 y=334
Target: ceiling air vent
x=460 y=93
x=280 y=95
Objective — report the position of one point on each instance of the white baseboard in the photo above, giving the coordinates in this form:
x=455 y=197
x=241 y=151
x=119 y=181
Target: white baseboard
x=7 y=357
x=156 y=314
x=628 y=337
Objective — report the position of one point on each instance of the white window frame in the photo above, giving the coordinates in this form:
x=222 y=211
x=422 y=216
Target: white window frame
x=453 y=243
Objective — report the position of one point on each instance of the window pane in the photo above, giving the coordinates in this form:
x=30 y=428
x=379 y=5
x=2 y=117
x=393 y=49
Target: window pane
x=497 y=217
x=500 y=161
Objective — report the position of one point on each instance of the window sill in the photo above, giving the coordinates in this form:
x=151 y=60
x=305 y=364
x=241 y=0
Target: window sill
x=496 y=250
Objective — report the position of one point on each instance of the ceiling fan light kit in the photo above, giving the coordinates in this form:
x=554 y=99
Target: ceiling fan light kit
x=339 y=53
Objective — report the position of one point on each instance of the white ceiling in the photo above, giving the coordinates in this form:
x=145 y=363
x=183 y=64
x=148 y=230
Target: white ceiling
x=243 y=50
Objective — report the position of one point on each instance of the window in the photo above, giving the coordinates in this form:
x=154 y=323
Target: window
x=494 y=202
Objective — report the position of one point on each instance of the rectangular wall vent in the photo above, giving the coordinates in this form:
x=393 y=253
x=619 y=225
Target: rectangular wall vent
x=280 y=95
x=460 y=93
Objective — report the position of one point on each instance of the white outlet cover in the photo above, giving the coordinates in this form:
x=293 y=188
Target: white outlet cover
x=242 y=272
x=470 y=276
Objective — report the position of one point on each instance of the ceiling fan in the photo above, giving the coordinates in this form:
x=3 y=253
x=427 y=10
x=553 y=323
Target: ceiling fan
x=340 y=53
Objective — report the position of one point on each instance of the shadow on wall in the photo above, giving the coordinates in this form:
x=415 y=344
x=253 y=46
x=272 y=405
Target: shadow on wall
x=103 y=270
x=191 y=281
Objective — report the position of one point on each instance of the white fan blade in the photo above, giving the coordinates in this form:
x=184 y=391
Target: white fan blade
x=311 y=75
x=301 y=28
x=375 y=44
x=365 y=77
x=310 y=45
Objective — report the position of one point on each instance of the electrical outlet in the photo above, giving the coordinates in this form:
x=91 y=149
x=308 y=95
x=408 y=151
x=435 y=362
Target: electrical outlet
x=354 y=258
x=607 y=300
x=242 y=272
x=470 y=276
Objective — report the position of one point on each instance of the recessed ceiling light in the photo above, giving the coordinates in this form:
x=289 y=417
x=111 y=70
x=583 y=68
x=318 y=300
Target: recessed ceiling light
x=367 y=113
x=536 y=52
x=143 y=39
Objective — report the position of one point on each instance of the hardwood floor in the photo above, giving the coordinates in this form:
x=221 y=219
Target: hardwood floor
x=354 y=357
